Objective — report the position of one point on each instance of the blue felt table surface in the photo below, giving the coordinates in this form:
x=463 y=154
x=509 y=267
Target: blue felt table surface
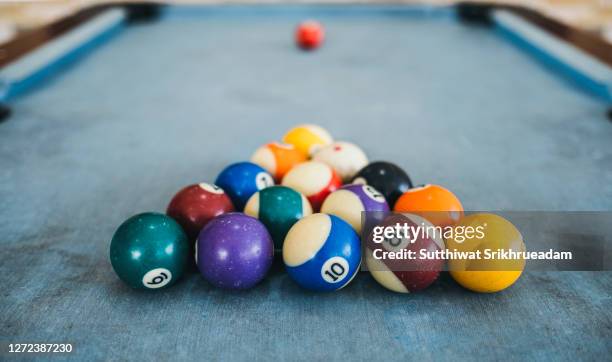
x=164 y=105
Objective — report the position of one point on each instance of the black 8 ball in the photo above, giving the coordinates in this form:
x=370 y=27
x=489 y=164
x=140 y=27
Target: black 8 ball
x=386 y=177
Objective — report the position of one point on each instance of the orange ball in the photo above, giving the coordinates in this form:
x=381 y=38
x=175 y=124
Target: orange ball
x=435 y=203
x=309 y=35
x=277 y=158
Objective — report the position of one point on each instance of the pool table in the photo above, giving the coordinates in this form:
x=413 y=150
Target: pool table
x=109 y=112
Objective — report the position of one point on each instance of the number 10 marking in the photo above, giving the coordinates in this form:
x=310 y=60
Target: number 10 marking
x=335 y=269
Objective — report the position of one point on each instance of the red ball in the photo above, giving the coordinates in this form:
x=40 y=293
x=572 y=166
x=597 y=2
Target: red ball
x=309 y=35
x=313 y=179
x=195 y=205
x=405 y=275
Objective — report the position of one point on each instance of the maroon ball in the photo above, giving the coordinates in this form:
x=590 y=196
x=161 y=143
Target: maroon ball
x=405 y=275
x=195 y=205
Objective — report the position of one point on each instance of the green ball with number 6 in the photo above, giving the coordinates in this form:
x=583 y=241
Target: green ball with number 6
x=149 y=251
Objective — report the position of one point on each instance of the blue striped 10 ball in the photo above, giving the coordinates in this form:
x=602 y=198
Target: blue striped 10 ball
x=322 y=252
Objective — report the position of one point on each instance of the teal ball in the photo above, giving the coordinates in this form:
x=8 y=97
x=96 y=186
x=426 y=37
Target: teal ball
x=149 y=251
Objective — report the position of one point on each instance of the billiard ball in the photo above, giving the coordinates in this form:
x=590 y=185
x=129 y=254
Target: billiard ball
x=344 y=157
x=278 y=208
x=234 y=251
x=435 y=203
x=314 y=179
x=241 y=180
x=386 y=177
x=486 y=275
x=278 y=158
x=307 y=138
x=322 y=252
x=195 y=205
x=149 y=251
x=409 y=274
x=350 y=201
x=309 y=35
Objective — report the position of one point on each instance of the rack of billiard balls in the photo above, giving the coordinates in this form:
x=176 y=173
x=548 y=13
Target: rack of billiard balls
x=303 y=198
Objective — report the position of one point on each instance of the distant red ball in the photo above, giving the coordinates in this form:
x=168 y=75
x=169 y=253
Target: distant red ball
x=309 y=35
x=195 y=205
x=313 y=179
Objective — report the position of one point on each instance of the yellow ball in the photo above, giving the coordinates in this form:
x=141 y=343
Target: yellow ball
x=308 y=138
x=486 y=275
x=486 y=281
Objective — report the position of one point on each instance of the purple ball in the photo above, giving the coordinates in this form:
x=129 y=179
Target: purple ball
x=351 y=202
x=234 y=251
x=371 y=199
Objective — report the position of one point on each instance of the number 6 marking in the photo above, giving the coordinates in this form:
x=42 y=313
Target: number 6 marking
x=157 y=278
